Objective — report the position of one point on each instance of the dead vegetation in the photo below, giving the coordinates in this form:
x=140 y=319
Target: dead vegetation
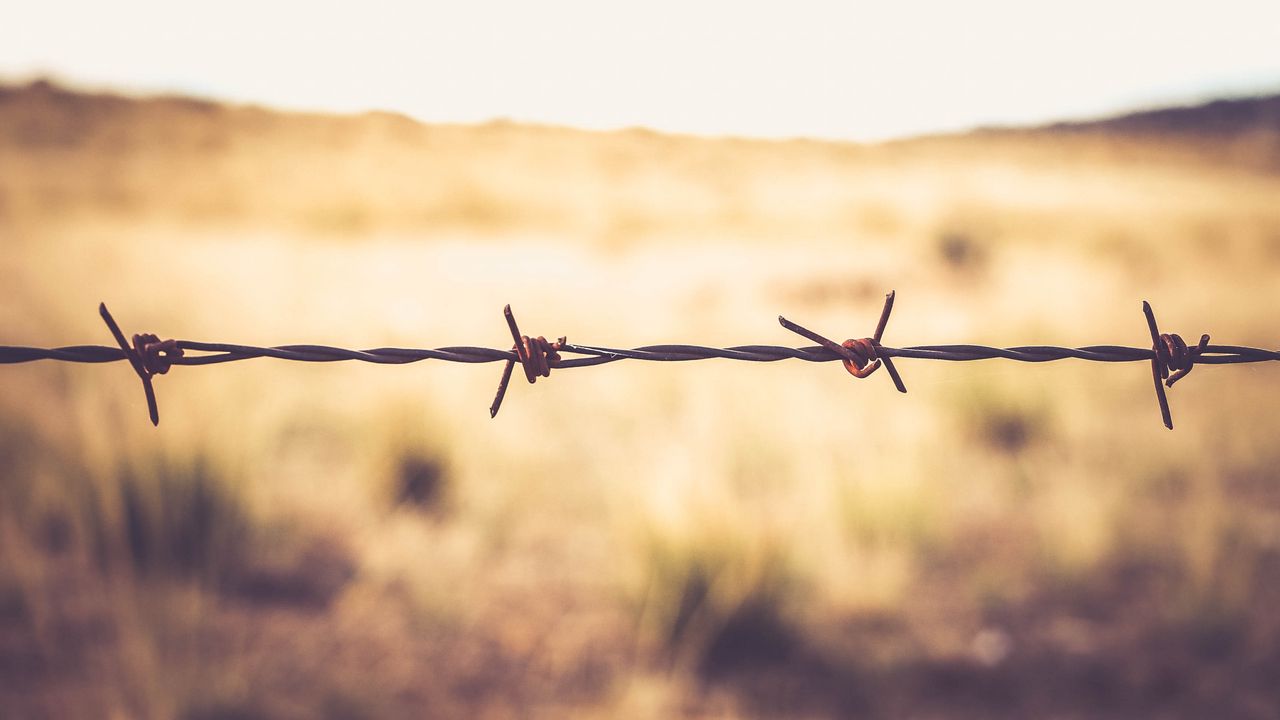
x=702 y=540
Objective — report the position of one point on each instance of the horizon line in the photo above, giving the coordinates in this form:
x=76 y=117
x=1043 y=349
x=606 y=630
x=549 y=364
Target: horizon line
x=1188 y=100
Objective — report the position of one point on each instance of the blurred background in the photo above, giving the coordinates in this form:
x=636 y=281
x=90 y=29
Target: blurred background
x=709 y=539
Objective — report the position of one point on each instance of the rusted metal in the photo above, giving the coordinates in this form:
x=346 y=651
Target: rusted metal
x=864 y=360
x=1171 y=359
x=535 y=355
x=860 y=357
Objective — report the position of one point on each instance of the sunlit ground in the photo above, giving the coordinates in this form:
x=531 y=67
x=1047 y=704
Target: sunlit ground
x=634 y=540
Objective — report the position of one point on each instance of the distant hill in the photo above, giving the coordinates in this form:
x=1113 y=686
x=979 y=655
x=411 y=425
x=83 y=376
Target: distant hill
x=1221 y=119
x=66 y=153
x=1239 y=131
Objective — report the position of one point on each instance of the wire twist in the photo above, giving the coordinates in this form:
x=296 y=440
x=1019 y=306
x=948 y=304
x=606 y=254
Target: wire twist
x=157 y=355
x=1173 y=355
x=1171 y=361
x=147 y=355
x=535 y=355
x=860 y=357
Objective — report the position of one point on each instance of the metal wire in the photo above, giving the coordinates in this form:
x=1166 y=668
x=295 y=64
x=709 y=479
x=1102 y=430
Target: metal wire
x=227 y=352
x=1171 y=358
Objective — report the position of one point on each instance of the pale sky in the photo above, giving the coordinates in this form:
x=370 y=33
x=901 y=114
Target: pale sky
x=852 y=70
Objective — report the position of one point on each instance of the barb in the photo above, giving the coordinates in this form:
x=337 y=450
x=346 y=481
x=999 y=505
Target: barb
x=536 y=355
x=148 y=356
x=1171 y=355
x=860 y=357
x=1171 y=359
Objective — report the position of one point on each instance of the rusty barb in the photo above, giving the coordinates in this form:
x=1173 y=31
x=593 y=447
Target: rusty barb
x=1170 y=357
x=860 y=357
x=1172 y=360
x=535 y=355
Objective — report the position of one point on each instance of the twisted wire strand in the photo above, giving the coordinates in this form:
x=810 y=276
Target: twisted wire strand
x=1171 y=358
x=216 y=353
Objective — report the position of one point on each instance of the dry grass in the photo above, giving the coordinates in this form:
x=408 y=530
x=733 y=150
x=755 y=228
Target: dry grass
x=708 y=539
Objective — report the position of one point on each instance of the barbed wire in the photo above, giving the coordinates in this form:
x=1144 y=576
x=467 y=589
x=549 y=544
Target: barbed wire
x=1170 y=357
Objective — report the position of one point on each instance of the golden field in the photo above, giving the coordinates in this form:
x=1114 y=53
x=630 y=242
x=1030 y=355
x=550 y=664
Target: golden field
x=708 y=539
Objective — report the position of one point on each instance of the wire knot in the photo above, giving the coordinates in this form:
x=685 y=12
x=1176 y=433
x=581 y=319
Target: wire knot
x=536 y=355
x=157 y=355
x=149 y=356
x=1171 y=360
x=862 y=359
x=1175 y=358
